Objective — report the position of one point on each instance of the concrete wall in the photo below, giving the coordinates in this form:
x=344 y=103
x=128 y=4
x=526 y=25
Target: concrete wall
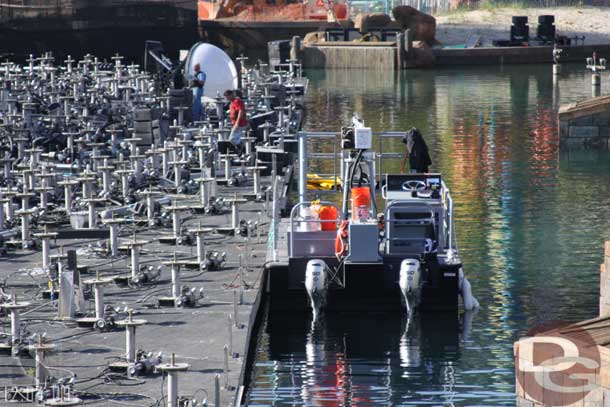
x=589 y=131
x=604 y=283
x=585 y=124
x=350 y=57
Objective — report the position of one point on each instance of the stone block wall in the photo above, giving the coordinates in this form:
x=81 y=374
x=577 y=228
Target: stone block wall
x=604 y=283
x=585 y=124
x=530 y=394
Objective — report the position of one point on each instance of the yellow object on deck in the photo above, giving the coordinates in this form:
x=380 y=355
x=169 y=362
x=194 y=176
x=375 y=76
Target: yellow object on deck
x=314 y=181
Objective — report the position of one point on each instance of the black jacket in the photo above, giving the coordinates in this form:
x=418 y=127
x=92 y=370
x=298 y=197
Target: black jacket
x=419 y=159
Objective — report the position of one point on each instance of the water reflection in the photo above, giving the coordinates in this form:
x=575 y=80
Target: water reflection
x=358 y=360
x=530 y=221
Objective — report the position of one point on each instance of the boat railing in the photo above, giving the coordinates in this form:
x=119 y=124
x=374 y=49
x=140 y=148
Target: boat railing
x=293 y=214
x=337 y=156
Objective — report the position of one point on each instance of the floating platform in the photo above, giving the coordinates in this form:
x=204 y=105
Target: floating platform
x=197 y=334
x=215 y=305
x=515 y=55
x=396 y=55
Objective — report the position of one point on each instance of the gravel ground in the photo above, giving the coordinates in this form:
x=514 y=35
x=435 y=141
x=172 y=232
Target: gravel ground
x=455 y=28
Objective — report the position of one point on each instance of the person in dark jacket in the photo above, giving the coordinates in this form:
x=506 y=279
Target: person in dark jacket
x=419 y=159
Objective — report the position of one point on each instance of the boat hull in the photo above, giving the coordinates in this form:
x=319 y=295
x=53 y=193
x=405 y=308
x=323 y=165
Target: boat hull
x=368 y=287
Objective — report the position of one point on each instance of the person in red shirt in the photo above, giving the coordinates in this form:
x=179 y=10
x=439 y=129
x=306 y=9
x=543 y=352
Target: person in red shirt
x=237 y=113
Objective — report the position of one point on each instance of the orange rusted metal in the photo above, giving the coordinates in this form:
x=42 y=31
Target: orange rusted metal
x=271 y=10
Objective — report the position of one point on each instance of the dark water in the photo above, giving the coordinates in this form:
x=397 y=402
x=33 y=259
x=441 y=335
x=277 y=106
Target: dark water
x=531 y=223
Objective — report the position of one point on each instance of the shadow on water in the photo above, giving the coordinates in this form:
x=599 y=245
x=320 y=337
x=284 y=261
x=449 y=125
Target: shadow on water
x=530 y=223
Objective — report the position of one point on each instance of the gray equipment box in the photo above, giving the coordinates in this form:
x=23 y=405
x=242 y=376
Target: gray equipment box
x=363 y=243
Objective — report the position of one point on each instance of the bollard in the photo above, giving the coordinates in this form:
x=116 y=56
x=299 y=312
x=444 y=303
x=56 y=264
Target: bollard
x=2 y=204
x=130 y=335
x=40 y=349
x=45 y=238
x=226 y=366
x=113 y=225
x=14 y=307
x=106 y=170
x=235 y=313
x=230 y=319
x=217 y=390
x=200 y=232
x=172 y=370
x=175 y=280
x=595 y=91
x=596 y=79
x=98 y=284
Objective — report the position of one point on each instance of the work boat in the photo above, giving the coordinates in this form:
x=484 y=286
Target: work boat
x=402 y=255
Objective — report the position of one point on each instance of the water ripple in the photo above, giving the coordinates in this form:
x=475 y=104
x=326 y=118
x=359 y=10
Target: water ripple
x=531 y=224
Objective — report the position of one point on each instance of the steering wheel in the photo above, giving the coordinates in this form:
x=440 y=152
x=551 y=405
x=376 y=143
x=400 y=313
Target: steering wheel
x=413 y=185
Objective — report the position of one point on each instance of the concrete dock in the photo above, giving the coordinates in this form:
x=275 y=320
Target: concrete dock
x=196 y=335
x=400 y=54
x=515 y=55
x=132 y=257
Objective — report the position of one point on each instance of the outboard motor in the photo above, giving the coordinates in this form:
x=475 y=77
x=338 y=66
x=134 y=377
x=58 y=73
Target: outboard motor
x=470 y=302
x=316 y=285
x=410 y=283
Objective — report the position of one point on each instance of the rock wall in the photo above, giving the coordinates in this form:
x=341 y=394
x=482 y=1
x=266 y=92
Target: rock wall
x=604 y=283
x=585 y=124
x=422 y=25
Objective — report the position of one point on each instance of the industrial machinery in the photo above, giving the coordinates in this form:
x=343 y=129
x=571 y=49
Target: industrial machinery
x=362 y=257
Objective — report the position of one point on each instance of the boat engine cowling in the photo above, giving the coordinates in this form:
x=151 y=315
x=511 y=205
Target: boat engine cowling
x=316 y=284
x=410 y=282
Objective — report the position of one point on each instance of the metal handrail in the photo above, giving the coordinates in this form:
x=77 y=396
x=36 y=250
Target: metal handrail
x=379 y=155
x=300 y=204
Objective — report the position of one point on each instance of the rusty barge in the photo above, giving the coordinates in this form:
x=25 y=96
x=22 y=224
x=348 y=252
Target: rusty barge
x=240 y=26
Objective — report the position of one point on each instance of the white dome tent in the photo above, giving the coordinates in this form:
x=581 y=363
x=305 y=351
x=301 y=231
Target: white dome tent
x=221 y=73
